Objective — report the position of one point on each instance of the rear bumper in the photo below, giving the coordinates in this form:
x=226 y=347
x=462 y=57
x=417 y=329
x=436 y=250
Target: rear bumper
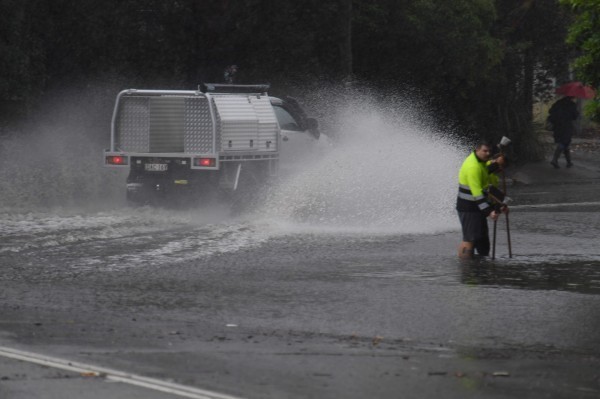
x=136 y=159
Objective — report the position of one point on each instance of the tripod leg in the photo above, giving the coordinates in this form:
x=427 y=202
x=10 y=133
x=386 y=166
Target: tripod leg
x=494 y=240
x=507 y=225
x=508 y=237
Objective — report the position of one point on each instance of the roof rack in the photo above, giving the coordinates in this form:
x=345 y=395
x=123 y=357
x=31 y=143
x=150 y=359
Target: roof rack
x=233 y=88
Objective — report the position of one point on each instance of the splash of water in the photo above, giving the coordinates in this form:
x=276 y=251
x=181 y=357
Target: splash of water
x=57 y=163
x=386 y=172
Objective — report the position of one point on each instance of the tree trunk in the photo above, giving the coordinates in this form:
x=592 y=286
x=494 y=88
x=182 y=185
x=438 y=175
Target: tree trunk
x=528 y=82
x=346 y=40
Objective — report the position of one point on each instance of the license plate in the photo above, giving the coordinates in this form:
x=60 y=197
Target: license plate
x=155 y=167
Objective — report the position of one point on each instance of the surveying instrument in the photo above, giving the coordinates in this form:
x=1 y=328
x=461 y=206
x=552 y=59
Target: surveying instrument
x=500 y=199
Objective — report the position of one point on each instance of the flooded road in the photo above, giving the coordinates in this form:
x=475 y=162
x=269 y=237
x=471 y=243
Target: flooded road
x=262 y=308
x=342 y=282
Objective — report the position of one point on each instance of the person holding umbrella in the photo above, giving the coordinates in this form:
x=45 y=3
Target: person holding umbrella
x=562 y=116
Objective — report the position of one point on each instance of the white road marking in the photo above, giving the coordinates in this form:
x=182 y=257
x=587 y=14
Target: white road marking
x=555 y=205
x=114 y=375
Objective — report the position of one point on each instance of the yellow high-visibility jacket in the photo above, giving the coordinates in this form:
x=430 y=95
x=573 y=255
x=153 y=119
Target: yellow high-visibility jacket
x=473 y=180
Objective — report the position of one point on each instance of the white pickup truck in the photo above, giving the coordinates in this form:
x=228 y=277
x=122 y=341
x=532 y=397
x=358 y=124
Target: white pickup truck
x=193 y=143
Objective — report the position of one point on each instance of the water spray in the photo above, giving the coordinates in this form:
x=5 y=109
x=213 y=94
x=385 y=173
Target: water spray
x=370 y=179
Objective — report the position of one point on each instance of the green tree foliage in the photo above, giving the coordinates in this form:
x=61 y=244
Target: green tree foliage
x=532 y=33
x=478 y=63
x=584 y=34
x=22 y=58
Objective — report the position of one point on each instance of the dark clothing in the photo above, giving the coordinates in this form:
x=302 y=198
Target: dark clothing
x=562 y=114
x=475 y=230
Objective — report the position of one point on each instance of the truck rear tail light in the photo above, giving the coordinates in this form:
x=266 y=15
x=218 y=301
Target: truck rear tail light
x=205 y=162
x=116 y=160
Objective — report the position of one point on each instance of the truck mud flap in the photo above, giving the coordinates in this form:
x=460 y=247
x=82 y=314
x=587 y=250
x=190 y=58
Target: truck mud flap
x=230 y=178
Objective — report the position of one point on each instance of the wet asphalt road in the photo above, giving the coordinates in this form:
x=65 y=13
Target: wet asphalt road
x=302 y=314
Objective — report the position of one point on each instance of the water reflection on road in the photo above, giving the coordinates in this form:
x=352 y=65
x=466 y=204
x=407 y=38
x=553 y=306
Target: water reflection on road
x=578 y=276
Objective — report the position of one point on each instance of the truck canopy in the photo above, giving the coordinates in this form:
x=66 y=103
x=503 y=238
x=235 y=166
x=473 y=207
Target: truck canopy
x=193 y=122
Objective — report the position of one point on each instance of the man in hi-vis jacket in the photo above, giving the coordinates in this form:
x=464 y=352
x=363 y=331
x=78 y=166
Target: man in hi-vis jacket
x=472 y=203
